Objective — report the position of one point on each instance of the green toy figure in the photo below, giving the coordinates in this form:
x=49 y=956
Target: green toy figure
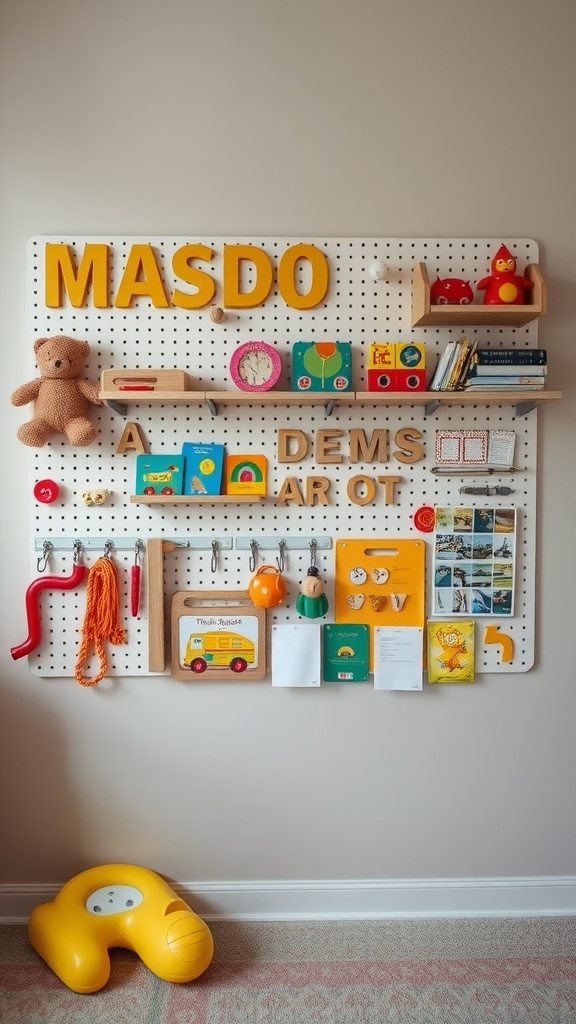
x=312 y=601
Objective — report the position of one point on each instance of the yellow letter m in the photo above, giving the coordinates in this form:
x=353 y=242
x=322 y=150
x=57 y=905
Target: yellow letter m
x=62 y=275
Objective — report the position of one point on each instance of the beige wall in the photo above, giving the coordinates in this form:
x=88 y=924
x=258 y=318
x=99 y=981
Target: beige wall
x=302 y=117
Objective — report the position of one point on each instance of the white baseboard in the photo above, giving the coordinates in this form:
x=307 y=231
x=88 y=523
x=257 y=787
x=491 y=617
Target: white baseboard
x=347 y=900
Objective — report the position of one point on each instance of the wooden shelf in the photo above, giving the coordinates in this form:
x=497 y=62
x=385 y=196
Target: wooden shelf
x=119 y=400
x=435 y=398
x=474 y=314
x=524 y=400
x=195 y=499
x=228 y=397
x=282 y=397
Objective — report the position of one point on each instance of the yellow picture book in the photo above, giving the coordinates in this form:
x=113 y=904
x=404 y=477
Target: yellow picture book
x=245 y=474
x=451 y=651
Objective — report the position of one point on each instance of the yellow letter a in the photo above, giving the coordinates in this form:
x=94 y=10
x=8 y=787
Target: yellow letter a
x=141 y=277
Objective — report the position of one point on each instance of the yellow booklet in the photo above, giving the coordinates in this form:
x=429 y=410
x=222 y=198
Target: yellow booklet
x=451 y=651
x=245 y=474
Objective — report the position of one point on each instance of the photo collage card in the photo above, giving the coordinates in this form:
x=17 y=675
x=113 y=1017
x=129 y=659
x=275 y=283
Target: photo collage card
x=474 y=557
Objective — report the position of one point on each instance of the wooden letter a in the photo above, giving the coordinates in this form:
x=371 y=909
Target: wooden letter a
x=131 y=440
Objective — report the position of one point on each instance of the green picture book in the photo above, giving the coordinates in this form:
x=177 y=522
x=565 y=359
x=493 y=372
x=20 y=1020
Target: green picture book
x=345 y=649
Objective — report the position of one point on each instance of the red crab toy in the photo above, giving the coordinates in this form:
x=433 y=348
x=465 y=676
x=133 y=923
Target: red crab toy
x=504 y=287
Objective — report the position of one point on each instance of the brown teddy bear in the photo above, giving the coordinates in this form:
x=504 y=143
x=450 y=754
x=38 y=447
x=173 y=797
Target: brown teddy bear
x=60 y=396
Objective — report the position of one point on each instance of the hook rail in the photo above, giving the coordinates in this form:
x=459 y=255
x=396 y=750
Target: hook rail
x=128 y=543
x=298 y=543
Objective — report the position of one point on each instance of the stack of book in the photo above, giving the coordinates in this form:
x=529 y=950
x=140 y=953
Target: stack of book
x=507 y=369
x=454 y=365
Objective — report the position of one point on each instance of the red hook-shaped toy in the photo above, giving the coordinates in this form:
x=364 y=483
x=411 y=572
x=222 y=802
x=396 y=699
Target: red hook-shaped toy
x=32 y=607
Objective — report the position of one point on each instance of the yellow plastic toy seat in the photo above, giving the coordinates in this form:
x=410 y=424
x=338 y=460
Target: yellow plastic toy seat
x=119 y=905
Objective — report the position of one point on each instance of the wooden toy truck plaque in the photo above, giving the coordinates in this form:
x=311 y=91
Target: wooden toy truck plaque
x=214 y=642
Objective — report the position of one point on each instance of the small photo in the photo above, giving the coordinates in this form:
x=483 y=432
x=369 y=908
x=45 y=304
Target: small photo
x=463 y=519
x=443 y=576
x=482 y=547
x=504 y=547
x=442 y=601
x=461 y=575
x=503 y=575
x=483 y=520
x=444 y=519
x=451 y=546
x=464 y=548
x=502 y=602
x=461 y=601
x=445 y=546
x=481 y=574
x=481 y=602
x=504 y=520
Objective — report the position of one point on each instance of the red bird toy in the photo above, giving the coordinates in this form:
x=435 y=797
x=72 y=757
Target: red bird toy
x=504 y=287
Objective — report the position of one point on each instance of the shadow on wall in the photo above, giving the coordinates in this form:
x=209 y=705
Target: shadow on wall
x=37 y=810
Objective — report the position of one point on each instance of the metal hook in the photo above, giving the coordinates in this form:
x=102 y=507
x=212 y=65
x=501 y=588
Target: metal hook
x=108 y=548
x=281 y=561
x=253 y=555
x=214 y=560
x=44 y=558
x=313 y=546
x=138 y=551
x=77 y=547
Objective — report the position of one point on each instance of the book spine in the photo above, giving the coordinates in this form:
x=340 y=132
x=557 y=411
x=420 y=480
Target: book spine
x=513 y=356
x=487 y=388
x=443 y=364
x=507 y=378
x=461 y=365
x=508 y=370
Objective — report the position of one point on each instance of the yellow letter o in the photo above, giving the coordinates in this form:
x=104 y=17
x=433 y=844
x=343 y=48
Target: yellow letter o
x=286 y=273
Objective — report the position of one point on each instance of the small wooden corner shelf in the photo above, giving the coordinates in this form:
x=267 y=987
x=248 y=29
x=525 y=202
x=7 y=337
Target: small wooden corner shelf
x=424 y=314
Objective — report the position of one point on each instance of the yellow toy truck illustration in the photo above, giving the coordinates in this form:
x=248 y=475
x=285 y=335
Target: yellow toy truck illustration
x=160 y=482
x=216 y=649
x=159 y=474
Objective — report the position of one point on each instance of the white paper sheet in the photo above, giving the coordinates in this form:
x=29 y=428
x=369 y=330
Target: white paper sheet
x=501 y=445
x=296 y=655
x=398 y=652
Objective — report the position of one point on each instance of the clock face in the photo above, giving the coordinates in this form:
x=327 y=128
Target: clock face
x=255 y=366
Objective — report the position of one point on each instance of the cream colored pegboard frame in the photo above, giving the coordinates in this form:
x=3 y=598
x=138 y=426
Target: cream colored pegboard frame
x=357 y=309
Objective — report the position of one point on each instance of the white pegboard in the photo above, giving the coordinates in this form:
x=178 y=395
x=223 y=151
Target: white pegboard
x=356 y=309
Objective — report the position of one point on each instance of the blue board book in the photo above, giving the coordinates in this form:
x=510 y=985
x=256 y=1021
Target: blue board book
x=159 y=474
x=203 y=464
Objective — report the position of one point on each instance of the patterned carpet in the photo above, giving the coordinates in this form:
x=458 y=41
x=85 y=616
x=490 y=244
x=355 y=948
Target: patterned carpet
x=431 y=972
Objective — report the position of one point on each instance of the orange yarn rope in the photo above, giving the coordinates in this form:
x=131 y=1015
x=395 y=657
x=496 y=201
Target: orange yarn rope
x=101 y=619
